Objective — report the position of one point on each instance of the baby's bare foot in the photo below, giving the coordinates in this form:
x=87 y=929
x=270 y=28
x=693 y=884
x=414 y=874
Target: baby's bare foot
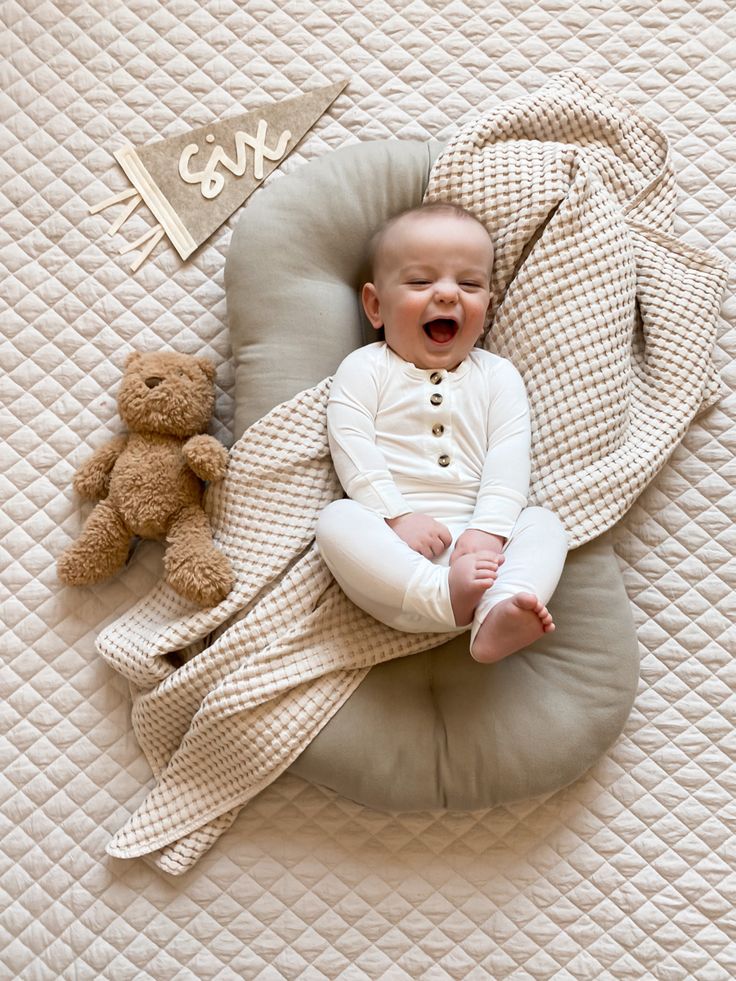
x=512 y=624
x=470 y=576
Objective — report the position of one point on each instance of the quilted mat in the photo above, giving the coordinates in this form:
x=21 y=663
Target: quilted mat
x=629 y=872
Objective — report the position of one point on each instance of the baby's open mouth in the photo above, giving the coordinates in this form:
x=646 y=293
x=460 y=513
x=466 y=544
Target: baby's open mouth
x=441 y=330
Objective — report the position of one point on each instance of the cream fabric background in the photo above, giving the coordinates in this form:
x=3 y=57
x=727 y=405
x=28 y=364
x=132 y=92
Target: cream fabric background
x=630 y=872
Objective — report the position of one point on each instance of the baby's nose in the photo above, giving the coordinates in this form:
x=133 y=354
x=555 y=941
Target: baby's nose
x=446 y=291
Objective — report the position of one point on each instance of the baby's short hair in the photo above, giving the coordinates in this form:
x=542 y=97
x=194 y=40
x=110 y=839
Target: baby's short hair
x=430 y=208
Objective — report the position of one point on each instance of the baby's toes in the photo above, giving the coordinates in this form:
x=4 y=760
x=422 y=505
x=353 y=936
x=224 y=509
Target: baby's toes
x=546 y=617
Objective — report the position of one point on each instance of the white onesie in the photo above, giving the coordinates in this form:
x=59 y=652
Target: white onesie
x=450 y=444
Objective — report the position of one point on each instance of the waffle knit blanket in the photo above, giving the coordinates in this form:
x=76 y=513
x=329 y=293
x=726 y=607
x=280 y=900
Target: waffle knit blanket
x=611 y=321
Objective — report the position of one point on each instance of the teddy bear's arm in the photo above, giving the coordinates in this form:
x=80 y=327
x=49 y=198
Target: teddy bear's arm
x=92 y=480
x=206 y=457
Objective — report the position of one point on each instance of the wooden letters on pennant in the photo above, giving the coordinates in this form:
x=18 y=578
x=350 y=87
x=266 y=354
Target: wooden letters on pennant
x=192 y=183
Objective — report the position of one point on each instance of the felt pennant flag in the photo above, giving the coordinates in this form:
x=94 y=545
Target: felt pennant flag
x=193 y=182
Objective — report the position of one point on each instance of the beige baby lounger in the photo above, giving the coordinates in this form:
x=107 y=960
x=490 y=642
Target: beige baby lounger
x=436 y=729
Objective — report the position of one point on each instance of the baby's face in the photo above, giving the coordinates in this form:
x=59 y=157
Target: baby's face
x=432 y=288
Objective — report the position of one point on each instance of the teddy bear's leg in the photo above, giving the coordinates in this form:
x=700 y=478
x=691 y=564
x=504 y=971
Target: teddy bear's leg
x=194 y=567
x=100 y=550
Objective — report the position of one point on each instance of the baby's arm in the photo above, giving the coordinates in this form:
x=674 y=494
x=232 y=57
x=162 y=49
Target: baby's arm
x=505 y=479
x=359 y=462
x=351 y=430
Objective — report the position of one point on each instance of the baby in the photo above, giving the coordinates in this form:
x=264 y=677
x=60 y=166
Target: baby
x=430 y=438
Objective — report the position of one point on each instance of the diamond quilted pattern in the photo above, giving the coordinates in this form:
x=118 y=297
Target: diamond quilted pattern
x=629 y=873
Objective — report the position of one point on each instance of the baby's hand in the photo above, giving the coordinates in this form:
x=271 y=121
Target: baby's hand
x=422 y=533
x=472 y=540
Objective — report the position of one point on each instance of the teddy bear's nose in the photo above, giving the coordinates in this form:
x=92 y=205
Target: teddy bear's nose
x=153 y=381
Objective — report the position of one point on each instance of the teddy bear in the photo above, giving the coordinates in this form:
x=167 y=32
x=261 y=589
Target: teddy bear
x=149 y=481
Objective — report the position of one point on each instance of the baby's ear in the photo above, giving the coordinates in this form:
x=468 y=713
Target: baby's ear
x=372 y=305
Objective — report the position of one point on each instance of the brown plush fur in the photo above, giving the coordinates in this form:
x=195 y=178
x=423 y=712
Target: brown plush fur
x=150 y=481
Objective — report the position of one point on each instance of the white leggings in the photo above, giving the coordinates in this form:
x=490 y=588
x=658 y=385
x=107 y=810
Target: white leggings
x=382 y=575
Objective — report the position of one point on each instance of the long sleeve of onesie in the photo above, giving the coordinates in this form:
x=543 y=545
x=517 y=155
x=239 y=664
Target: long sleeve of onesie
x=505 y=480
x=351 y=429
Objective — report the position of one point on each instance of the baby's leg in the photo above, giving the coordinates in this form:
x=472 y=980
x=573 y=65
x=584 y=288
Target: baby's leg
x=512 y=614
x=382 y=575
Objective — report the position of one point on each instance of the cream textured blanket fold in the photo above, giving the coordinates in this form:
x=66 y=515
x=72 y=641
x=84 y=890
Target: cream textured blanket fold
x=611 y=322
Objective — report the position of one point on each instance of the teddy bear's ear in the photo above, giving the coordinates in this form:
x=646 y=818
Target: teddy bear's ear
x=207 y=367
x=133 y=358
